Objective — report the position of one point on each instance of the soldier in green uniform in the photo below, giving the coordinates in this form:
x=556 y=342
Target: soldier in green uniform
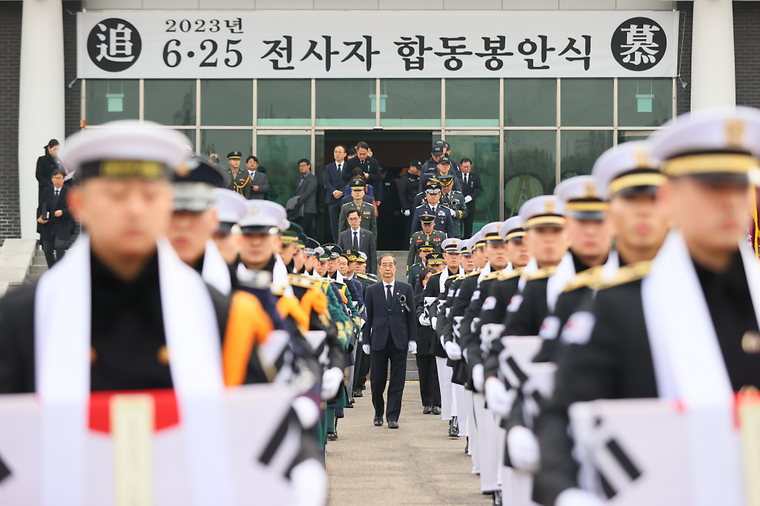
x=454 y=200
x=239 y=180
x=366 y=210
x=414 y=271
x=429 y=234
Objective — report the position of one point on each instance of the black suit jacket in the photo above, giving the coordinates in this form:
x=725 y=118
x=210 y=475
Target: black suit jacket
x=473 y=188
x=395 y=323
x=369 y=166
x=308 y=193
x=56 y=227
x=334 y=181
x=259 y=179
x=367 y=244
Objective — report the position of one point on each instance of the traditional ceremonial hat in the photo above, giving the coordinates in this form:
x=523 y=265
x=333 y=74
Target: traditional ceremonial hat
x=625 y=169
x=712 y=144
x=194 y=186
x=126 y=149
x=511 y=230
x=230 y=208
x=543 y=211
x=581 y=199
x=450 y=245
x=264 y=216
x=490 y=233
x=434 y=259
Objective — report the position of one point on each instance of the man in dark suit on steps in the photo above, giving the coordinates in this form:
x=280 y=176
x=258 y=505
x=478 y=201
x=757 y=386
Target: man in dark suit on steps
x=359 y=239
x=390 y=331
x=54 y=219
x=471 y=188
x=334 y=186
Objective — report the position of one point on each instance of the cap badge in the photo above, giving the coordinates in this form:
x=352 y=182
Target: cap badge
x=641 y=156
x=735 y=132
x=590 y=189
x=253 y=211
x=549 y=206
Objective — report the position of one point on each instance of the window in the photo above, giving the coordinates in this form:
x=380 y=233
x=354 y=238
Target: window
x=111 y=99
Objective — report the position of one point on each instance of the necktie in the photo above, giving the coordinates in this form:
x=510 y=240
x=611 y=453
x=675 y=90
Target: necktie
x=465 y=178
x=388 y=295
x=355 y=243
x=301 y=181
x=340 y=169
x=55 y=199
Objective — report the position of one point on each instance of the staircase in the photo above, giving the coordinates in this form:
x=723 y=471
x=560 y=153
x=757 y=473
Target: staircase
x=39 y=266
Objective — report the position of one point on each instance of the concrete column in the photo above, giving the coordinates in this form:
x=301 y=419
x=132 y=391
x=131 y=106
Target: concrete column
x=713 y=80
x=41 y=98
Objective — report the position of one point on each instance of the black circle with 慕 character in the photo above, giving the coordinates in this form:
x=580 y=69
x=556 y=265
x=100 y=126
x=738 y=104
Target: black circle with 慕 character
x=639 y=44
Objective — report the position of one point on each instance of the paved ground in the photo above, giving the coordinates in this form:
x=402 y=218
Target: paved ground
x=415 y=464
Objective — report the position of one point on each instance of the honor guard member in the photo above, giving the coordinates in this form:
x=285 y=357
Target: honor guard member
x=428 y=234
x=360 y=271
x=683 y=327
x=454 y=200
x=239 y=179
x=289 y=240
x=230 y=208
x=443 y=220
x=366 y=210
x=468 y=265
x=311 y=256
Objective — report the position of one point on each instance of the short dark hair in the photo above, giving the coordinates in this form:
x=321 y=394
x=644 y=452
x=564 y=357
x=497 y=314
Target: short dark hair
x=304 y=160
x=465 y=160
x=252 y=157
x=362 y=145
x=380 y=260
x=339 y=146
x=351 y=152
x=56 y=172
x=424 y=272
x=352 y=211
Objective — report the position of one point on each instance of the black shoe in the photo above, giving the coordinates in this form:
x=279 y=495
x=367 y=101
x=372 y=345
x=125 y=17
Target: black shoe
x=378 y=421
x=349 y=405
x=497 y=498
x=467 y=446
x=426 y=410
x=363 y=386
x=453 y=427
x=358 y=393
x=392 y=424
x=332 y=436
x=437 y=410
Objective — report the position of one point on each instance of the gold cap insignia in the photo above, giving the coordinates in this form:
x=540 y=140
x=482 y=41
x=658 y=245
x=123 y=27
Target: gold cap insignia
x=549 y=206
x=590 y=188
x=642 y=158
x=735 y=129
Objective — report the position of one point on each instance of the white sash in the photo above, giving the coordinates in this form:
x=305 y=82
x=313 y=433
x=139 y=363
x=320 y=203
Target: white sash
x=216 y=272
x=442 y=280
x=62 y=356
x=688 y=365
x=556 y=284
x=280 y=277
x=611 y=266
x=508 y=268
x=529 y=269
x=484 y=272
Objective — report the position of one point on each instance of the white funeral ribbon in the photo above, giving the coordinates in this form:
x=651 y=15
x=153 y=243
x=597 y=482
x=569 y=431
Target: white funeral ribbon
x=216 y=272
x=62 y=355
x=688 y=365
x=529 y=269
x=556 y=283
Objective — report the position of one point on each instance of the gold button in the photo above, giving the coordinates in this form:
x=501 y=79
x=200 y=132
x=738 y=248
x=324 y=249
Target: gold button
x=751 y=342
x=93 y=355
x=163 y=355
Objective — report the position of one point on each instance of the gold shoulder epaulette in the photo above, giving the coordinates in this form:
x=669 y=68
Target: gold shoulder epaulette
x=493 y=275
x=540 y=274
x=474 y=273
x=360 y=276
x=626 y=274
x=512 y=274
x=585 y=278
x=455 y=276
x=299 y=280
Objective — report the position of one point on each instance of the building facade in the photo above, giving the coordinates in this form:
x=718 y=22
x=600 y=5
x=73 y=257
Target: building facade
x=524 y=134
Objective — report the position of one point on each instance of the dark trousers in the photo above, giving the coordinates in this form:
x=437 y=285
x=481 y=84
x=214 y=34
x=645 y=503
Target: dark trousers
x=307 y=224
x=361 y=370
x=430 y=390
x=379 y=374
x=468 y=221
x=333 y=213
x=408 y=229
x=50 y=247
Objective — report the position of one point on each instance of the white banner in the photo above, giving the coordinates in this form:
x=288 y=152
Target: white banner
x=376 y=44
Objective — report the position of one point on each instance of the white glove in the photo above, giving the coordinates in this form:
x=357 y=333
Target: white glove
x=468 y=199
x=497 y=397
x=453 y=350
x=478 y=377
x=523 y=449
x=453 y=213
x=434 y=322
x=365 y=349
x=407 y=212
x=331 y=381
x=413 y=347
x=307 y=411
x=577 y=497
x=424 y=320
x=309 y=482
